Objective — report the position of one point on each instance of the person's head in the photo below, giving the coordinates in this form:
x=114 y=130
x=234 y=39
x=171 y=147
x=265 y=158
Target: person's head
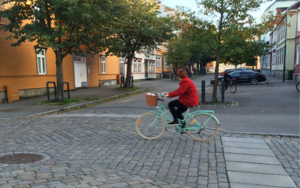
x=181 y=74
x=226 y=73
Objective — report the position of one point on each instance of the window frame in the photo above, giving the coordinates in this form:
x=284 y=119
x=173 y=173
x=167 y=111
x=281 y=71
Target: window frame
x=103 y=64
x=42 y=57
x=298 y=54
x=166 y=63
x=158 y=59
x=134 y=66
x=139 y=68
x=298 y=28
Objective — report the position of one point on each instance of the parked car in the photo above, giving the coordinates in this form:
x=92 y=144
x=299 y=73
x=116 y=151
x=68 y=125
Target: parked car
x=239 y=69
x=244 y=77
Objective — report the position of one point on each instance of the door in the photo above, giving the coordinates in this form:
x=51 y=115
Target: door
x=80 y=72
x=146 y=68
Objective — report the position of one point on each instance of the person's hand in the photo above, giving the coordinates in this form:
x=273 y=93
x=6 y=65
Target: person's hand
x=166 y=95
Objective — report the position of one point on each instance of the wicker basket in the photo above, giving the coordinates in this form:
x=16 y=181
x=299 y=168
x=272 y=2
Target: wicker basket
x=151 y=100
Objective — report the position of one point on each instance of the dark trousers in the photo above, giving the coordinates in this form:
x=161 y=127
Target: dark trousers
x=177 y=113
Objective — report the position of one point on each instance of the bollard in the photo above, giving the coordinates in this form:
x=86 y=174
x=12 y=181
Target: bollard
x=122 y=80
x=48 y=92
x=62 y=91
x=132 y=81
x=222 y=90
x=203 y=92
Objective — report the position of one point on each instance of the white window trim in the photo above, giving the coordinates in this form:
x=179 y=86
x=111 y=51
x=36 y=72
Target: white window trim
x=298 y=21
x=103 y=63
x=135 y=66
x=45 y=60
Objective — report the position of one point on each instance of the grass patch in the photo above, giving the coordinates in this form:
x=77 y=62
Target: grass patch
x=127 y=89
x=103 y=101
x=92 y=99
x=56 y=102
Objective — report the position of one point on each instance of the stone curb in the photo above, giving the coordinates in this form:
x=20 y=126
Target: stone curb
x=269 y=134
x=86 y=103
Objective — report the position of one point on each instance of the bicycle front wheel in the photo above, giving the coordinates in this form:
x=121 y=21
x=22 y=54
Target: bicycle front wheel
x=150 y=126
x=202 y=127
x=233 y=88
x=298 y=86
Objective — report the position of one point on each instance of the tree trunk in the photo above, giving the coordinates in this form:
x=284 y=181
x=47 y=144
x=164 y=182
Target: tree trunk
x=218 y=56
x=59 y=75
x=128 y=74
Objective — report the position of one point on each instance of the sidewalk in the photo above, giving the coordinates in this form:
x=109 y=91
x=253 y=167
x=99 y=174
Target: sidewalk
x=28 y=107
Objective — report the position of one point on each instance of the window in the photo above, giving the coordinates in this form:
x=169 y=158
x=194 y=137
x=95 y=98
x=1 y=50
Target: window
x=103 y=64
x=41 y=61
x=151 y=66
x=134 y=66
x=157 y=61
x=298 y=21
x=298 y=54
x=235 y=74
x=139 y=65
x=166 y=63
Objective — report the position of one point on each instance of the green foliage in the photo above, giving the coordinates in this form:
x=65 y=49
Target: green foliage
x=140 y=30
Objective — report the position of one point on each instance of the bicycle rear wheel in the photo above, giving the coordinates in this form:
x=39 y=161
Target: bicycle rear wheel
x=233 y=88
x=150 y=127
x=209 y=124
x=298 y=86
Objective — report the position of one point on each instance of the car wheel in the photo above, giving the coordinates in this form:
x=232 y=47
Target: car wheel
x=254 y=81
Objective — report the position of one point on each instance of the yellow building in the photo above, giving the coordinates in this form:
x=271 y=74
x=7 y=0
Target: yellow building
x=30 y=67
x=162 y=66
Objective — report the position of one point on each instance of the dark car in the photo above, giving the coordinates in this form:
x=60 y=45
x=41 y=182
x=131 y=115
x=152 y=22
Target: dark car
x=234 y=70
x=227 y=70
x=244 y=77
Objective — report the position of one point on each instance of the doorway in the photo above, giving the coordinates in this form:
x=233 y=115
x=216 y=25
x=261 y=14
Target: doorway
x=80 y=72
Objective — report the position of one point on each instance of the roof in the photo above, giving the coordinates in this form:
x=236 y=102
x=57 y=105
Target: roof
x=275 y=2
x=295 y=5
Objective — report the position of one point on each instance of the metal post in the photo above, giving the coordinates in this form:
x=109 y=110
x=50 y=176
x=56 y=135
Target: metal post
x=62 y=91
x=285 y=48
x=223 y=90
x=48 y=93
x=203 y=91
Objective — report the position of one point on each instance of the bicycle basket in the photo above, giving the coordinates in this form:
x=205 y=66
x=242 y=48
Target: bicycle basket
x=151 y=99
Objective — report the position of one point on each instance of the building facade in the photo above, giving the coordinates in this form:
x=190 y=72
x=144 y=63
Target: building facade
x=30 y=67
x=297 y=44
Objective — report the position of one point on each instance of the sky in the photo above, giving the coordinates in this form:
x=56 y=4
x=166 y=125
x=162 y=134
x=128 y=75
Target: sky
x=191 y=4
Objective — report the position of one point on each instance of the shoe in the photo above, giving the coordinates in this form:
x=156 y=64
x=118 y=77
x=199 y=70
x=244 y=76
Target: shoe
x=174 y=123
x=183 y=132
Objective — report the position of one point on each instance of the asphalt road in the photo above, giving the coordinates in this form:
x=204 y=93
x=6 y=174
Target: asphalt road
x=263 y=108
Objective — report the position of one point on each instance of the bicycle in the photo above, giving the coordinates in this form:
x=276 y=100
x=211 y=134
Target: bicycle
x=298 y=86
x=232 y=86
x=201 y=125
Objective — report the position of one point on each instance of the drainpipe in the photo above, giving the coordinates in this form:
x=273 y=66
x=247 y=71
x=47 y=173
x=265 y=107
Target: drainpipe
x=284 y=62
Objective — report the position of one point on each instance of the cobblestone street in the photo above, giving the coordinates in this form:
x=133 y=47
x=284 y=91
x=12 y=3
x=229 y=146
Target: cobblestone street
x=90 y=150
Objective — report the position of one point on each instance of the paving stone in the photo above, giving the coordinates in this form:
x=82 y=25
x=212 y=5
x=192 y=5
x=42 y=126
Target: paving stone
x=246 y=145
x=251 y=159
x=260 y=179
x=255 y=168
x=261 y=152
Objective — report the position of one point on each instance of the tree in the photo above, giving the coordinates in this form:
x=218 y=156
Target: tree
x=193 y=42
x=231 y=16
x=140 y=31
x=66 y=26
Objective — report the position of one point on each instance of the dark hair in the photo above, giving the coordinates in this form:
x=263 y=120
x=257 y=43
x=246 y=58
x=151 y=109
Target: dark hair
x=181 y=73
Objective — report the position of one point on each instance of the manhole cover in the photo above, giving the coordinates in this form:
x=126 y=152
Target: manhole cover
x=20 y=158
x=9 y=110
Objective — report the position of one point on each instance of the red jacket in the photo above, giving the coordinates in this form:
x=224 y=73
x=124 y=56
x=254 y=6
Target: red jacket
x=187 y=93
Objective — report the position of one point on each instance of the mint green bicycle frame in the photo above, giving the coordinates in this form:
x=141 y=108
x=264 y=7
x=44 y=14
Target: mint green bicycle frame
x=166 y=115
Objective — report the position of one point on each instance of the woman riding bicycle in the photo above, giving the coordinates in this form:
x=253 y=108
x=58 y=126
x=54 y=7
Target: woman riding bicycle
x=226 y=79
x=188 y=97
